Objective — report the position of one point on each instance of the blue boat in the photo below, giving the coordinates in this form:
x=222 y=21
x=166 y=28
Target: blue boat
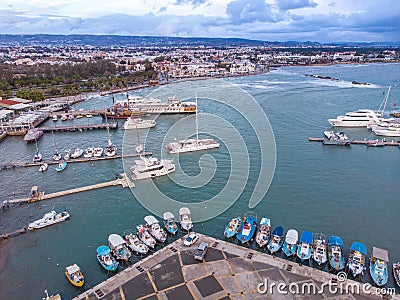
x=105 y=258
x=304 y=249
x=276 y=241
x=232 y=228
x=61 y=166
x=356 y=262
x=378 y=267
x=335 y=253
x=247 y=228
x=290 y=244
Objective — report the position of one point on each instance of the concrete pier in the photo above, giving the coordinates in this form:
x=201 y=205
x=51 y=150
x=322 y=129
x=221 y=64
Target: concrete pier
x=228 y=271
x=358 y=142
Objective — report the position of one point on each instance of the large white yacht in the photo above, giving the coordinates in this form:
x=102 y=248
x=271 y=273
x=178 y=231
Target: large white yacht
x=138 y=123
x=155 y=106
x=149 y=167
x=359 y=118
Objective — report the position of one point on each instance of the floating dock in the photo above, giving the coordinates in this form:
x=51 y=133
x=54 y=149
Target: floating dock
x=357 y=142
x=113 y=125
x=228 y=271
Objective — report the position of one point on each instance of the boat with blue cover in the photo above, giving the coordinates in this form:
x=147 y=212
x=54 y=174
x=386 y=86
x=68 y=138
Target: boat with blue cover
x=61 y=166
x=105 y=258
x=276 y=240
x=264 y=232
x=335 y=253
x=247 y=228
x=169 y=223
x=356 y=262
x=304 y=249
x=290 y=244
x=378 y=267
x=232 y=228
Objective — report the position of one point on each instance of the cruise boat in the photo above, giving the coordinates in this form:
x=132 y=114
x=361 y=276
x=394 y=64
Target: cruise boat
x=264 y=232
x=320 y=249
x=106 y=260
x=74 y=275
x=118 y=247
x=335 y=253
x=138 y=123
x=276 y=240
x=169 y=223
x=49 y=218
x=356 y=262
x=33 y=135
x=185 y=218
x=150 y=167
x=77 y=153
x=378 y=266
x=135 y=244
x=145 y=237
x=247 y=228
x=155 y=229
x=360 y=118
x=232 y=228
x=304 y=249
x=290 y=244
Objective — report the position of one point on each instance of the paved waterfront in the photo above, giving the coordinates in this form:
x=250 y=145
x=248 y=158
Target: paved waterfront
x=228 y=272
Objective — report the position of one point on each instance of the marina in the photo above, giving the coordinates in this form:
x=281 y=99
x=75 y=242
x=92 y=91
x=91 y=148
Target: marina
x=357 y=142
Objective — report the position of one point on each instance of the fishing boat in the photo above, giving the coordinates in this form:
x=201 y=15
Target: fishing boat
x=264 y=232
x=276 y=240
x=185 y=218
x=150 y=167
x=43 y=167
x=74 y=275
x=290 y=245
x=375 y=143
x=155 y=229
x=97 y=151
x=61 y=166
x=247 y=228
x=232 y=228
x=67 y=154
x=106 y=260
x=135 y=244
x=378 y=266
x=33 y=135
x=145 y=237
x=50 y=218
x=335 y=253
x=138 y=123
x=77 y=153
x=118 y=247
x=89 y=152
x=356 y=262
x=304 y=249
x=169 y=223
x=396 y=273
x=320 y=249
x=37 y=157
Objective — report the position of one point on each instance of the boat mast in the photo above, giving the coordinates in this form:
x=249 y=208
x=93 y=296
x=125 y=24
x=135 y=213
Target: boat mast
x=382 y=107
x=197 y=122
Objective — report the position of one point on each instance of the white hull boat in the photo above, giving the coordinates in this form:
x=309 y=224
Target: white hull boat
x=137 y=123
x=156 y=231
x=49 y=218
x=135 y=244
x=151 y=167
x=89 y=152
x=77 y=153
x=185 y=218
x=145 y=237
x=43 y=167
x=97 y=152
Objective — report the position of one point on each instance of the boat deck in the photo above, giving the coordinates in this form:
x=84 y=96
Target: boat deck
x=229 y=271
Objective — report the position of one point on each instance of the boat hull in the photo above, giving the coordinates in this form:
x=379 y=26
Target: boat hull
x=113 y=267
x=289 y=250
x=73 y=282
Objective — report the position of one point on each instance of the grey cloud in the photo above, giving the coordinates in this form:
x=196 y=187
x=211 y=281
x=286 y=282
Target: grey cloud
x=248 y=11
x=295 y=4
x=194 y=3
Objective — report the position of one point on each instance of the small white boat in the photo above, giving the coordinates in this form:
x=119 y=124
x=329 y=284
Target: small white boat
x=135 y=244
x=137 y=123
x=89 y=152
x=97 y=151
x=49 y=218
x=57 y=156
x=150 y=167
x=77 y=153
x=37 y=157
x=43 y=167
x=64 y=117
x=89 y=115
x=185 y=218
x=390 y=131
x=118 y=247
x=67 y=154
x=145 y=237
x=55 y=118
x=155 y=229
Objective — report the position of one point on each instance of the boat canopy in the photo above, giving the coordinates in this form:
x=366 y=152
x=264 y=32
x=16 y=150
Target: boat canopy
x=150 y=220
x=381 y=254
x=278 y=231
x=292 y=236
x=184 y=210
x=335 y=240
x=306 y=237
x=265 y=221
x=358 y=246
x=72 y=269
x=103 y=250
x=115 y=240
x=168 y=215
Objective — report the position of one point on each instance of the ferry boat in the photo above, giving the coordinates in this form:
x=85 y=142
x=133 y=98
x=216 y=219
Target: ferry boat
x=232 y=228
x=185 y=218
x=138 y=123
x=356 y=262
x=150 y=167
x=145 y=237
x=290 y=244
x=135 y=244
x=264 y=232
x=74 y=275
x=169 y=223
x=106 y=260
x=33 y=135
x=247 y=228
x=335 y=253
x=276 y=240
x=118 y=247
x=49 y=218
x=304 y=249
x=320 y=249
x=378 y=267
x=155 y=229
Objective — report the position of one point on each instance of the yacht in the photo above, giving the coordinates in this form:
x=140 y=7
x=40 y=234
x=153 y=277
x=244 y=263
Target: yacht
x=149 y=167
x=390 y=131
x=359 y=118
x=138 y=123
x=50 y=218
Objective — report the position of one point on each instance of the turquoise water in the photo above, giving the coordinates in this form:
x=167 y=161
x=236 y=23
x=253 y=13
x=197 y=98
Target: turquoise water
x=349 y=192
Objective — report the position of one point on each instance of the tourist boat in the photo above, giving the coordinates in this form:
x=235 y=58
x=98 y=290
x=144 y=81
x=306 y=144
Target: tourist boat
x=106 y=260
x=67 y=154
x=145 y=237
x=50 y=218
x=169 y=223
x=276 y=241
x=77 y=153
x=320 y=249
x=232 y=228
x=33 y=135
x=89 y=152
x=97 y=151
x=335 y=253
x=185 y=218
x=290 y=245
x=43 y=167
x=264 y=232
x=304 y=249
x=155 y=229
x=57 y=156
x=55 y=118
x=396 y=273
x=247 y=228
x=378 y=266
x=356 y=262
x=391 y=132
x=61 y=166
x=138 y=123
x=135 y=244
x=118 y=247
x=37 y=157
x=150 y=167
x=359 y=118
x=74 y=275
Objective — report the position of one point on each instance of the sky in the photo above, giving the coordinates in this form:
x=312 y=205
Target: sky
x=268 y=20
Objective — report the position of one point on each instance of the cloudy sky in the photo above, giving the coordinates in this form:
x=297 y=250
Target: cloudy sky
x=270 y=20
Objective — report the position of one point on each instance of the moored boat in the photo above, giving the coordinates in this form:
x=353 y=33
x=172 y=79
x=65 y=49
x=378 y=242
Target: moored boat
x=276 y=240
x=43 y=167
x=151 y=167
x=55 y=118
x=57 y=156
x=138 y=123
x=77 y=153
x=356 y=262
x=396 y=273
x=118 y=247
x=37 y=157
x=337 y=139
x=145 y=237
x=375 y=143
x=290 y=244
x=67 y=154
x=33 y=135
x=155 y=229
x=135 y=244
x=106 y=260
x=247 y=227
x=50 y=218
x=264 y=232
x=304 y=249
x=335 y=253
x=185 y=218
x=110 y=149
x=97 y=151
x=232 y=228
x=169 y=223
x=89 y=152
x=74 y=275
x=320 y=249
x=61 y=166
x=378 y=266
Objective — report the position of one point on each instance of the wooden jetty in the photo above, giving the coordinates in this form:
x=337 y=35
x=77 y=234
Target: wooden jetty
x=357 y=142
x=113 y=125
x=124 y=181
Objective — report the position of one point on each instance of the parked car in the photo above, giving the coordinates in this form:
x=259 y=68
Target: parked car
x=201 y=251
x=191 y=239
